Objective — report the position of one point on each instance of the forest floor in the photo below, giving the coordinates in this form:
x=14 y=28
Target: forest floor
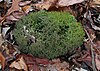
x=85 y=58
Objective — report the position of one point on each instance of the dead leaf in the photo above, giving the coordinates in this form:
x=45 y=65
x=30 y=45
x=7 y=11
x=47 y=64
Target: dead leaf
x=1 y=39
x=4 y=31
x=86 y=57
x=14 y=7
x=61 y=66
x=11 y=17
x=3 y=7
x=18 y=15
x=51 y=68
x=33 y=62
x=56 y=60
x=9 y=51
x=42 y=6
x=96 y=2
x=33 y=67
x=1 y=18
x=24 y=3
x=52 y=1
x=42 y=61
x=97 y=60
x=46 y=4
x=29 y=59
x=15 y=16
x=15 y=12
x=2 y=61
x=68 y=2
x=27 y=9
x=53 y=5
x=19 y=64
x=30 y=62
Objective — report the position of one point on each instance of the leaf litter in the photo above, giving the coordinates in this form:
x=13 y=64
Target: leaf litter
x=86 y=57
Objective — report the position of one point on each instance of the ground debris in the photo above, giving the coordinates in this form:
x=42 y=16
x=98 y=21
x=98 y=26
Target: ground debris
x=85 y=11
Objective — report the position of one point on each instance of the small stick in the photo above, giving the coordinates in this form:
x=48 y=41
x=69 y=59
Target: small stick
x=93 y=58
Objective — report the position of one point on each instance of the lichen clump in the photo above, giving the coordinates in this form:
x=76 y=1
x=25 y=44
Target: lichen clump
x=48 y=34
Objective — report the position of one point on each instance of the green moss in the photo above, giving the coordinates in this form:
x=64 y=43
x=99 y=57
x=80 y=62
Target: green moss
x=56 y=33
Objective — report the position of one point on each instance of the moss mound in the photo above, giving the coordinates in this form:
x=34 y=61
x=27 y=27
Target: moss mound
x=48 y=34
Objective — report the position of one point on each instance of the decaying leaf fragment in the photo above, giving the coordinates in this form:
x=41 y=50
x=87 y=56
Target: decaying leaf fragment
x=33 y=62
x=46 y=4
x=19 y=64
x=26 y=9
x=26 y=6
x=2 y=61
x=68 y=2
x=1 y=39
x=97 y=60
x=24 y=3
x=16 y=11
x=96 y=2
x=9 y=51
x=14 y=7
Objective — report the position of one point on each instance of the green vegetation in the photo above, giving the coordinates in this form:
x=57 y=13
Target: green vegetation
x=55 y=34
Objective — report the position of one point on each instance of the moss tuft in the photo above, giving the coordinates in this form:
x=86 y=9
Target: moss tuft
x=55 y=34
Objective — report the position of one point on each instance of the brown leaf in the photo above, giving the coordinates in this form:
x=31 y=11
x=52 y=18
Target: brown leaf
x=61 y=66
x=26 y=9
x=14 y=7
x=15 y=16
x=87 y=58
x=51 y=5
x=1 y=18
x=33 y=67
x=97 y=60
x=46 y=4
x=30 y=61
x=3 y=7
x=18 y=15
x=41 y=6
x=24 y=3
x=19 y=64
x=96 y=2
x=11 y=17
x=1 y=38
x=2 y=61
x=42 y=61
x=68 y=2
x=9 y=51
